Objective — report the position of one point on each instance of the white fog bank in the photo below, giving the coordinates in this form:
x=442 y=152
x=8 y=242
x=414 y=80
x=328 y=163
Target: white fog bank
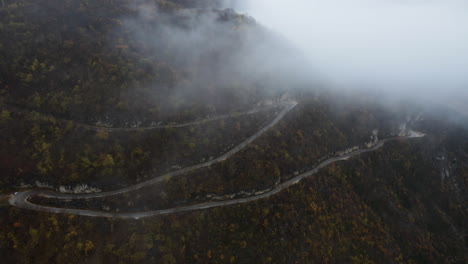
x=414 y=47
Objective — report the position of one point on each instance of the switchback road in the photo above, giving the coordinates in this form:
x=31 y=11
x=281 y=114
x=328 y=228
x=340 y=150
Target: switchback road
x=21 y=199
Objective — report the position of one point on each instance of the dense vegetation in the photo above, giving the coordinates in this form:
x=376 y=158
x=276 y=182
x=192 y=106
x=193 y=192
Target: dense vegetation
x=70 y=66
x=304 y=138
x=360 y=211
x=84 y=60
x=58 y=152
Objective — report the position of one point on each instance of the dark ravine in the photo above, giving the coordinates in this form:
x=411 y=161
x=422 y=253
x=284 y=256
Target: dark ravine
x=21 y=199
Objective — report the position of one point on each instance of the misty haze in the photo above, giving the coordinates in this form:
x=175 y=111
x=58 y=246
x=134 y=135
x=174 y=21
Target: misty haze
x=412 y=48
x=224 y=131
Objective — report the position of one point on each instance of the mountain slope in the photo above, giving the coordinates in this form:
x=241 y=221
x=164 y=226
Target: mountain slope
x=108 y=94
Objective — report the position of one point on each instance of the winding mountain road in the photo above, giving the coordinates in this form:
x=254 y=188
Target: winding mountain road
x=21 y=199
x=152 y=127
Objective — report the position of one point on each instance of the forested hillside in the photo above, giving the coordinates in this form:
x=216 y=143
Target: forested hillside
x=103 y=95
x=89 y=60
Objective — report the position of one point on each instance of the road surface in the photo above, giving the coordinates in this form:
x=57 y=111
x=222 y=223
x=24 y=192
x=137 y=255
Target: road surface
x=21 y=199
x=153 y=127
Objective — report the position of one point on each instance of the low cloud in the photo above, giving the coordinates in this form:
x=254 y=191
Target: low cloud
x=215 y=52
x=416 y=48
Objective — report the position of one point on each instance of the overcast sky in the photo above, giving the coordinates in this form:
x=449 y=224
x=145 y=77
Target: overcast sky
x=402 y=46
